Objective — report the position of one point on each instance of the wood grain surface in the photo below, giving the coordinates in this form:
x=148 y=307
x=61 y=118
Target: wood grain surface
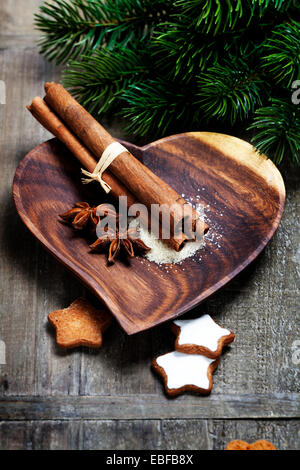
x=243 y=197
x=149 y=434
x=52 y=399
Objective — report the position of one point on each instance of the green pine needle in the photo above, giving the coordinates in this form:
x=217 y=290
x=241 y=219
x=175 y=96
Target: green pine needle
x=230 y=91
x=218 y=16
x=282 y=53
x=81 y=26
x=277 y=129
x=212 y=16
x=99 y=80
x=182 y=65
x=153 y=109
x=188 y=48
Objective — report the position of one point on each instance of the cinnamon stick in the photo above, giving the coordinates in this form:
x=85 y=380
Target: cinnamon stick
x=50 y=121
x=138 y=179
x=72 y=111
x=53 y=124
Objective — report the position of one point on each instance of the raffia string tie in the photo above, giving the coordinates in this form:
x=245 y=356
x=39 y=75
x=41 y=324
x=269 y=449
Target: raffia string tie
x=111 y=152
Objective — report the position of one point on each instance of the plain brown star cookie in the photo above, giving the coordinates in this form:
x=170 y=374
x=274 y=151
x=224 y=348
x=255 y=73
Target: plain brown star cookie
x=81 y=324
x=262 y=445
x=243 y=445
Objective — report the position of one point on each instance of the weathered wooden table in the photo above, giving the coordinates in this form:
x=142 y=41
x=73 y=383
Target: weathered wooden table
x=110 y=399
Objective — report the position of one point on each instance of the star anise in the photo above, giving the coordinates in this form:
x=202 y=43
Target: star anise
x=116 y=242
x=82 y=214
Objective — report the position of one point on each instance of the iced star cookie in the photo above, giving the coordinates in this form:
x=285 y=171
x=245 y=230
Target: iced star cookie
x=201 y=336
x=81 y=324
x=185 y=372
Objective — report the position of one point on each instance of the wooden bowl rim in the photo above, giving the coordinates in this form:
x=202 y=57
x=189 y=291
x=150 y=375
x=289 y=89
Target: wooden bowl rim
x=78 y=271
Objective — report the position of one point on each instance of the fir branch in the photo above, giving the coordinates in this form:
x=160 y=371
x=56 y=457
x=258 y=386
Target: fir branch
x=187 y=49
x=230 y=91
x=277 y=129
x=279 y=5
x=218 y=16
x=154 y=109
x=282 y=49
x=169 y=66
x=81 y=26
x=99 y=80
x=211 y=15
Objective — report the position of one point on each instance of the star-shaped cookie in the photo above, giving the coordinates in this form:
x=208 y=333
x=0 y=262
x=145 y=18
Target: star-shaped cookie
x=185 y=372
x=243 y=445
x=81 y=324
x=201 y=336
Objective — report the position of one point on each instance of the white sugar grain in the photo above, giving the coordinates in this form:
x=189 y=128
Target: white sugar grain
x=161 y=253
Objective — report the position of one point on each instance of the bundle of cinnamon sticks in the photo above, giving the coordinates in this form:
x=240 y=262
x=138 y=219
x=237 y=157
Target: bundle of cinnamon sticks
x=67 y=120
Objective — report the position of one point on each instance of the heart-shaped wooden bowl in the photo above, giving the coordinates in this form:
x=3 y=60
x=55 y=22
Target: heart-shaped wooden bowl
x=243 y=194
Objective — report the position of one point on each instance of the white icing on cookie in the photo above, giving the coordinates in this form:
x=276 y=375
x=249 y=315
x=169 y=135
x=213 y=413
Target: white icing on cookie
x=185 y=369
x=202 y=331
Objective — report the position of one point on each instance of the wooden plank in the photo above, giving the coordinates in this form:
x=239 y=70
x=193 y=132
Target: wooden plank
x=50 y=435
x=21 y=297
x=190 y=434
x=185 y=434
x=24 y=41
x=261 y=306
x=15 y=18
x=119 y=434
x=150 y=407
x=285 y=435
